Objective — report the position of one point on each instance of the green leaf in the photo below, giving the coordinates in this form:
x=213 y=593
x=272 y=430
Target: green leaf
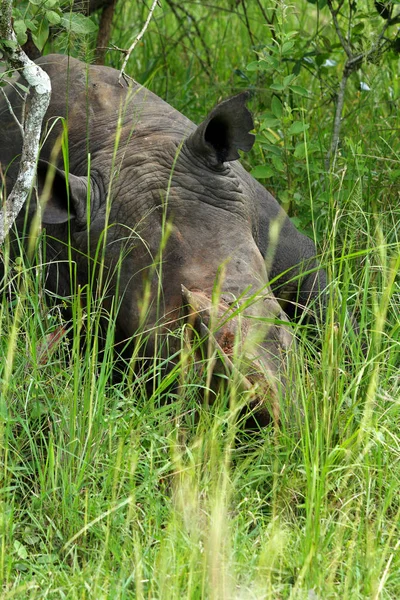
x=321 y=58
x=17 y=14
x=278 y=163
x=296 y=222
x=297 y=67
x=271 y=149
x=41 y=35
x=31 y=25
x=259 y=138
x=53 y=17
x=20 y=31
x=24 y=88
x=8 y=44
x=259 y=65
x=297 y=89
x=276 y=107
x=262 y=172
x=277 y=86
x=270 y=61
x=268 y=123
x=47 y=559
x=298 y=127
x=267 y=115
x=300 y=150
x=358 y=28
x=275 y=64
x=288 y=79
x=31 y=539
x=268 y=137
x=20 y=550
x=77 y=23
x=287 y=46
x=253 y=66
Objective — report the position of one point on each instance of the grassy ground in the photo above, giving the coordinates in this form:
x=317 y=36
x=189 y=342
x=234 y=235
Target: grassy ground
x=110 y=493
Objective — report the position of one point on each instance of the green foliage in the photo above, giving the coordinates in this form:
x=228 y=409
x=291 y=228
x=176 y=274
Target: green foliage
x=282 y=129
x=296 y=71
x=38 y=16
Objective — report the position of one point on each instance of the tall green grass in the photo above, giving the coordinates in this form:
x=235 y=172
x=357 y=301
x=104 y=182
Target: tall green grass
x=111 y=492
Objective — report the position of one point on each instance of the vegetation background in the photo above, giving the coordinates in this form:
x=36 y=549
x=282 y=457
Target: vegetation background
x=108 y=493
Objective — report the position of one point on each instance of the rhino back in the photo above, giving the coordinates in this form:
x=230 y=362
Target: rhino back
x=100 y=112
x=103 y=112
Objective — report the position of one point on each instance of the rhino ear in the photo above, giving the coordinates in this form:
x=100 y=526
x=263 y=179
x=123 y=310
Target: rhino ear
x=225 y=131
x=67 y=200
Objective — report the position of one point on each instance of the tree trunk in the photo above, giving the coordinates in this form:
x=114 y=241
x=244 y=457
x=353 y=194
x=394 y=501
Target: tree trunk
x=40 y=85
x=103 y=37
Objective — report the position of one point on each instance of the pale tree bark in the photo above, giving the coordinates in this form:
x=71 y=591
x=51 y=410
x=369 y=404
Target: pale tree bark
x=40 y=91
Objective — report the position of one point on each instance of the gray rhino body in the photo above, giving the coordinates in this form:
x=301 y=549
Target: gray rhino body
x=150 y=166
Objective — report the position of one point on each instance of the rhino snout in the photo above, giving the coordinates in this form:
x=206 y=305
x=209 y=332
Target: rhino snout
x=249 y=339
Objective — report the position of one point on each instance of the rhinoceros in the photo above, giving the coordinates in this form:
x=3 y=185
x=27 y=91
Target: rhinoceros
x=171 y=214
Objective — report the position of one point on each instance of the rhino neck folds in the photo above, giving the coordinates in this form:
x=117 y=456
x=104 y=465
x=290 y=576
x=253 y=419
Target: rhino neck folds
x=199 y=183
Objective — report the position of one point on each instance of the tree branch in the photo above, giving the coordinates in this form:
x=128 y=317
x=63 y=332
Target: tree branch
x=40 y=85
x=337 y=122
x=12 y=113
x=353 y=62
x=334 y=13
x=137 y=40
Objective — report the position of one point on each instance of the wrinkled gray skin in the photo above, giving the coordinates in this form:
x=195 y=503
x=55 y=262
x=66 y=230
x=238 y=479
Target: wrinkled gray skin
x=164 y=169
